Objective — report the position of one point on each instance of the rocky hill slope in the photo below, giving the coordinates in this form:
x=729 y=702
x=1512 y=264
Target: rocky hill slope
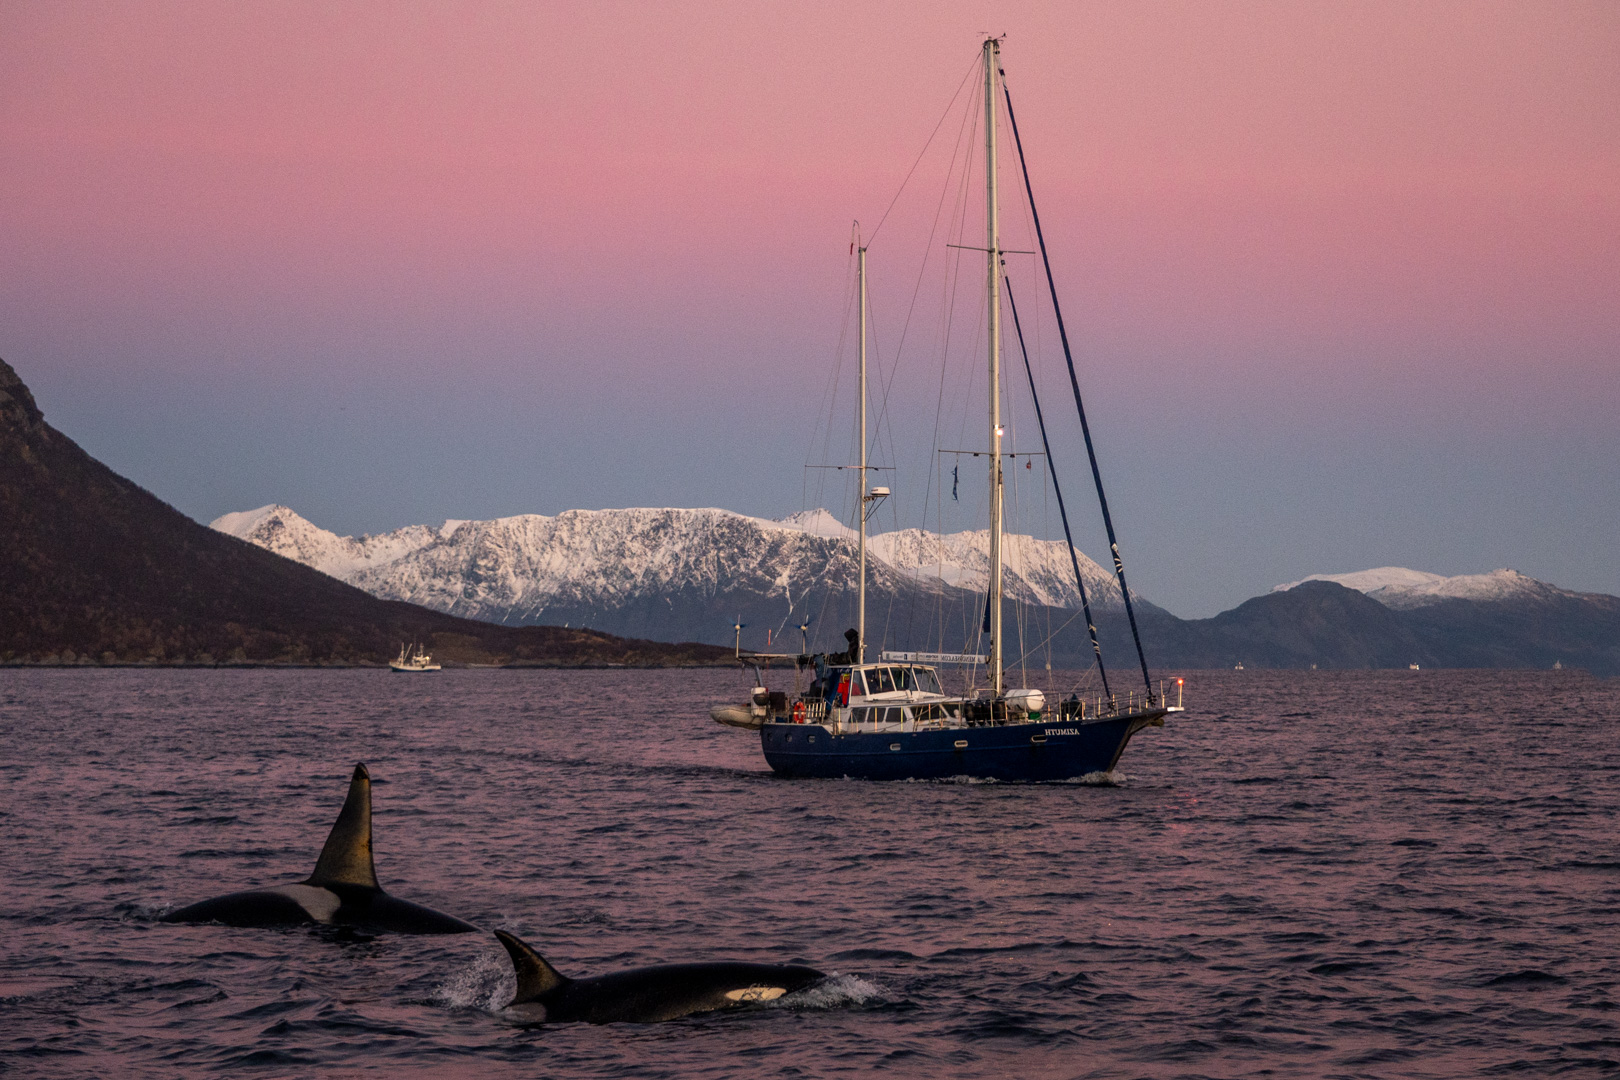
x=95 y=569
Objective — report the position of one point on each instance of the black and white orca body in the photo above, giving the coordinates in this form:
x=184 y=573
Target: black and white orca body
x=343 y=890
x=644 y=995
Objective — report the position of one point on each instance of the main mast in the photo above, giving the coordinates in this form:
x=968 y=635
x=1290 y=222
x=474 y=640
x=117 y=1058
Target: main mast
x=860 y=610
x=992 y=243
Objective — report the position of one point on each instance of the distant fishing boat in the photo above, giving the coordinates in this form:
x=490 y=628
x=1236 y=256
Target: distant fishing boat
x=413 y=658
x=1413 y=667
x=892 y=720
x=1239 y=666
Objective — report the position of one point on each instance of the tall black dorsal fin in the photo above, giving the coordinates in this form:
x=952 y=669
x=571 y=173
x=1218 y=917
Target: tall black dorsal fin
x=346 y=858
x=535 y=977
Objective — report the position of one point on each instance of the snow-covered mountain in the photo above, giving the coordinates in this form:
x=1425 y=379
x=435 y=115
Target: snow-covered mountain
x=1037 y=571
x=665 y=572
x=280 y=530
x=1403 y=589
x=688 y=575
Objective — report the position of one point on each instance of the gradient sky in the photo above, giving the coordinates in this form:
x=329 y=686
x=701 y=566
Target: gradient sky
x=1342 y=278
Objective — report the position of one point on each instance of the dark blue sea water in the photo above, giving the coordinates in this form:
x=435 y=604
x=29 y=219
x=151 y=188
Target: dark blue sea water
x=1390 y=874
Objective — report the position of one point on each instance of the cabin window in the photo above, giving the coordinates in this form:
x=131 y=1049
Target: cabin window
x=887 y=716
x=884 y=677
x=927 y=681
x=932 y=712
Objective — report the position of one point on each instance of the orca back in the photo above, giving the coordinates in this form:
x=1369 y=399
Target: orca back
x=343 y=890
x=647 y=995
x=670 y=991
x=251 y=907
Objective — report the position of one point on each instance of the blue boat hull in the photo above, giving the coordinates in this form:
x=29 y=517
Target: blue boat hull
x=1043 y=750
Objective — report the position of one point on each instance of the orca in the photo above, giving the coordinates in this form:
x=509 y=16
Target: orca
x=343 y=890
x=644 y=995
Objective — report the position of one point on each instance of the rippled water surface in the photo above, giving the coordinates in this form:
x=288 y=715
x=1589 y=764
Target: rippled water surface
x=1310 y=874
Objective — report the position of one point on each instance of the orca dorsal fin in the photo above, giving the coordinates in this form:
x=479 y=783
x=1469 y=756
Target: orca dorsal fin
x=346 y=858
x=535 y=977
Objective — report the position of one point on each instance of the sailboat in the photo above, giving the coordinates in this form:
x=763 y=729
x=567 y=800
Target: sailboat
x=891 y=719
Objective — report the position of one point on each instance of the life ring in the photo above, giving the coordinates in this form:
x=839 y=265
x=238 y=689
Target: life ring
x=798 y=712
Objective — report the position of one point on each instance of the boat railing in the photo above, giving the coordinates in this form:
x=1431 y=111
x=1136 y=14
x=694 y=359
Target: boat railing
x=1098 y=707
x=981 y=712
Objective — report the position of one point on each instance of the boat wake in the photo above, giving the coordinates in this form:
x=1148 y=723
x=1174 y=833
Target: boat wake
x=1091 y=779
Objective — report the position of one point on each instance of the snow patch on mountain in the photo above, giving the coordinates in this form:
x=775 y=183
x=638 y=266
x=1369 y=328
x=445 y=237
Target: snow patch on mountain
x=243 y=522
x=819 y=523
x=1368 y=581
x=1498 y=585
x=1403 y=589
x=1034 y=571
x=283 y=531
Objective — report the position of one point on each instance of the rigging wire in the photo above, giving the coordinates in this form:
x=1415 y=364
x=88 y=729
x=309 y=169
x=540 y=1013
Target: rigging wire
x=1068 y=356
x=949 y=282
x=829 y=404
x=942 y=117
x=1068 y=538
x=829 y=395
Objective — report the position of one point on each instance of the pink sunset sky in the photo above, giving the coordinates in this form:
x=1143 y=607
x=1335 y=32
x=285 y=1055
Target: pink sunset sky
x=1342 y=277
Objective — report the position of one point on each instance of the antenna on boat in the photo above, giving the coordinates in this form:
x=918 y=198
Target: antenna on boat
x=738 y=627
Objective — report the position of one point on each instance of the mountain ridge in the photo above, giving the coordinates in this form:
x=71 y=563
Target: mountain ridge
x=662 y=572
x=1398 y=587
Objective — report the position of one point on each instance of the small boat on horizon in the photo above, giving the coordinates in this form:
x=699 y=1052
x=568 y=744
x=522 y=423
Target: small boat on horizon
x=413 y=658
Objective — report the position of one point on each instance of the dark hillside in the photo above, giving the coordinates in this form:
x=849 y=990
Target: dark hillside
x=94 y=568
x=1582 y=630
x=1319 y=622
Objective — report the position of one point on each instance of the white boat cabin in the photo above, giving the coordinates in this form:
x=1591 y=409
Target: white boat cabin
x=897 y=697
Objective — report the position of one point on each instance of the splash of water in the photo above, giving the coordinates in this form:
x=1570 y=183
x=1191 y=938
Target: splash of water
x=487 y=984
